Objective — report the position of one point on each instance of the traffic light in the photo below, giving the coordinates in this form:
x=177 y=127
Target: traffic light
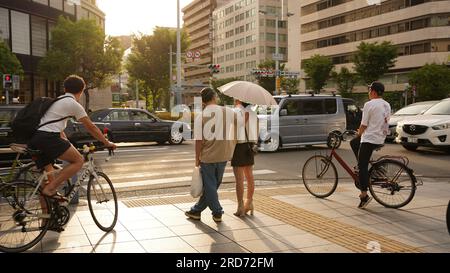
x=7 y=81
x=214 y=68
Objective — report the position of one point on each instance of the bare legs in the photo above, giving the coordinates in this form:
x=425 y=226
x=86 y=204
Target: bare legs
x=241 y=173
x=75 y=164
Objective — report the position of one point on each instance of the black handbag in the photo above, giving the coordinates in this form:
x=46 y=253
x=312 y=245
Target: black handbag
x=253 y=147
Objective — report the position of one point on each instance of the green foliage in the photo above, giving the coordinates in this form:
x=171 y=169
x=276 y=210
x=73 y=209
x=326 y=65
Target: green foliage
x=9 y=64
x=149 y=63
x=268 y=83
x=432 y=82
x=290 y=85
x=81 y=48
x=373 y=60
x=345 y=81
x=318 y=69
x=224 y=99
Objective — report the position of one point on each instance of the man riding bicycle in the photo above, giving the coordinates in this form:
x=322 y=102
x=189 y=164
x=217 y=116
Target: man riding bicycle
x=52 y=142
x=371 y=135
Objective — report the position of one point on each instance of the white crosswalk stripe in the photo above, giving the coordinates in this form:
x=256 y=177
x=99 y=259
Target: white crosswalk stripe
x=131 y=169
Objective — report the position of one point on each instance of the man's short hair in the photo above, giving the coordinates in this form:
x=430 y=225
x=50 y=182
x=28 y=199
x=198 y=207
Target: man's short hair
x=377 y=87
x=74 y=84
x=207 y=95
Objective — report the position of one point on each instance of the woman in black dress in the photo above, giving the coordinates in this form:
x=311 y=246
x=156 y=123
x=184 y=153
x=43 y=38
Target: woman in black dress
x=243 y=161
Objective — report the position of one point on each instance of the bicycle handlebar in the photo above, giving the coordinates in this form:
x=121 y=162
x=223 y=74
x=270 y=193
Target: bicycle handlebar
x=92 y=149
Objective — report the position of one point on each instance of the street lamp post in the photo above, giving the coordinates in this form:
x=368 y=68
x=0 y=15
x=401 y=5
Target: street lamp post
x=277 y=46
x=178 y=91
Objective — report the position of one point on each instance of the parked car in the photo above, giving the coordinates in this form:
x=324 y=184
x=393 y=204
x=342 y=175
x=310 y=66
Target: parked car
x=432 y=129
x=303 y=120
x=411 y=110
x=137 y=125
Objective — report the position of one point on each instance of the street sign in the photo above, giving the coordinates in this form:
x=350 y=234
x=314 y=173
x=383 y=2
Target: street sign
x=16 y=82
x=197 y=54
x=189 y=54
x=277 y=57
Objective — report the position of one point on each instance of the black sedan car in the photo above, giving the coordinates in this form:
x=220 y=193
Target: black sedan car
x=137 y=125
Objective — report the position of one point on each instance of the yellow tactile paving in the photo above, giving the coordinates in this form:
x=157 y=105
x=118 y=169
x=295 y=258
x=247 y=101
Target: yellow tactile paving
x=345 y=235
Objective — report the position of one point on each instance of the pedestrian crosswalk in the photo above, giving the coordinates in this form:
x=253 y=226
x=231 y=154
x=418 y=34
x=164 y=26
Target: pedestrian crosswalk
x=157 y=167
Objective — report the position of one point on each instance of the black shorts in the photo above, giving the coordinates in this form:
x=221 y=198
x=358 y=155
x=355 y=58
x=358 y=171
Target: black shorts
x=51 y=146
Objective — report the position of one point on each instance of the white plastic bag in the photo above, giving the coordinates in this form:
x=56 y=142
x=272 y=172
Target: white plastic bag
x=197 y=183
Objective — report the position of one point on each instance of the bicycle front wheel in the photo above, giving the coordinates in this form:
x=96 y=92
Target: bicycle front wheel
x=391 y=183
x=102 y=201
x=24 y=216
x=320 y=176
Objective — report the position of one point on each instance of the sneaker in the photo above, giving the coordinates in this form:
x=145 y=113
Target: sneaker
x=193 y=214
x=364 y=202
x=217 y=218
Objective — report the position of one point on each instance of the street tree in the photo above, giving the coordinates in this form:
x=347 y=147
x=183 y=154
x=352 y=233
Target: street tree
x=345 y=81
x=149 y=62
x=268 y=83
x=432 y=82
x=290 y=85
x=82 y=48
x=9 y=64
x=318 y=69
x=373 y=60
x=224 y=99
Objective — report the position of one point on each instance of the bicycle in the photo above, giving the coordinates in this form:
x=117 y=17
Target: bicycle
x=26 y=215
x=391 y=182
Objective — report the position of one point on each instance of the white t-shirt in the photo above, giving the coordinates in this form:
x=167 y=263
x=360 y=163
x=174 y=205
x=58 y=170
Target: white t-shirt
x=67 y=107
x=376 y=115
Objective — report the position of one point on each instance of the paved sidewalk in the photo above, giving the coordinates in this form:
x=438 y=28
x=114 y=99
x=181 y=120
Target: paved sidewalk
x=287 y=219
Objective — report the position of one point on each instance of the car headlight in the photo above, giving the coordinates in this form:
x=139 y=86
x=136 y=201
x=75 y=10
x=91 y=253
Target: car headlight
x=441 y=126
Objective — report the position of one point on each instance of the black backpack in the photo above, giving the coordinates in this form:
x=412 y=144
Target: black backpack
x=27 y=120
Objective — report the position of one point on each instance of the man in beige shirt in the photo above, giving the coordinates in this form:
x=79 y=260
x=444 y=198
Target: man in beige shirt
x=213 y=148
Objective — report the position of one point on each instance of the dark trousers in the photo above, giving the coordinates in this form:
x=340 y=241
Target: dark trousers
x=363 y=152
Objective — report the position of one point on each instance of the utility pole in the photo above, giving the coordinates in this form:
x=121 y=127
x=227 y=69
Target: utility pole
x=137 y=94
x=178 y=92
x=277 y=52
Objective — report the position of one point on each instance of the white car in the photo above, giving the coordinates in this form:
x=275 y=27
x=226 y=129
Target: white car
x=411 y=110
x=432 y=129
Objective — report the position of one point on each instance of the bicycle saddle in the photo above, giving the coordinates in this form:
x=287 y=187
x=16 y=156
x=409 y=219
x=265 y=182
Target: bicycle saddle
x=23 y=149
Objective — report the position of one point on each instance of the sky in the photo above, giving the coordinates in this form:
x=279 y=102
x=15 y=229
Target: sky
x=124 y=17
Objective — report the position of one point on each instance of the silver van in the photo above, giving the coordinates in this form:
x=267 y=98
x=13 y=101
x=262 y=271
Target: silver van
x=302 y=120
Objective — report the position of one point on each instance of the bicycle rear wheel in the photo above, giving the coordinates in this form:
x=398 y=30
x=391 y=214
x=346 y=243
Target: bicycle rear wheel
x=320 y=176
x=24 y=216
x=102 y=201
x=391 y=183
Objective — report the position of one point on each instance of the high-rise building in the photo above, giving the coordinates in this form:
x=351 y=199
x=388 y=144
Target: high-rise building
x=420 y=29
x=197 y=17
x=244 y=36
x=26 y=25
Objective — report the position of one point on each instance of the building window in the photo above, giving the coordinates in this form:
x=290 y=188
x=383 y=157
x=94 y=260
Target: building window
x=43 y=2
x=20 y=24
x=39 y=36
x=4 y=25
x=57 y=4
x=69 y=8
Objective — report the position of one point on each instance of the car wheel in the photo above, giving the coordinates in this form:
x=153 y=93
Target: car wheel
x=410 y=148
x=176 y=137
